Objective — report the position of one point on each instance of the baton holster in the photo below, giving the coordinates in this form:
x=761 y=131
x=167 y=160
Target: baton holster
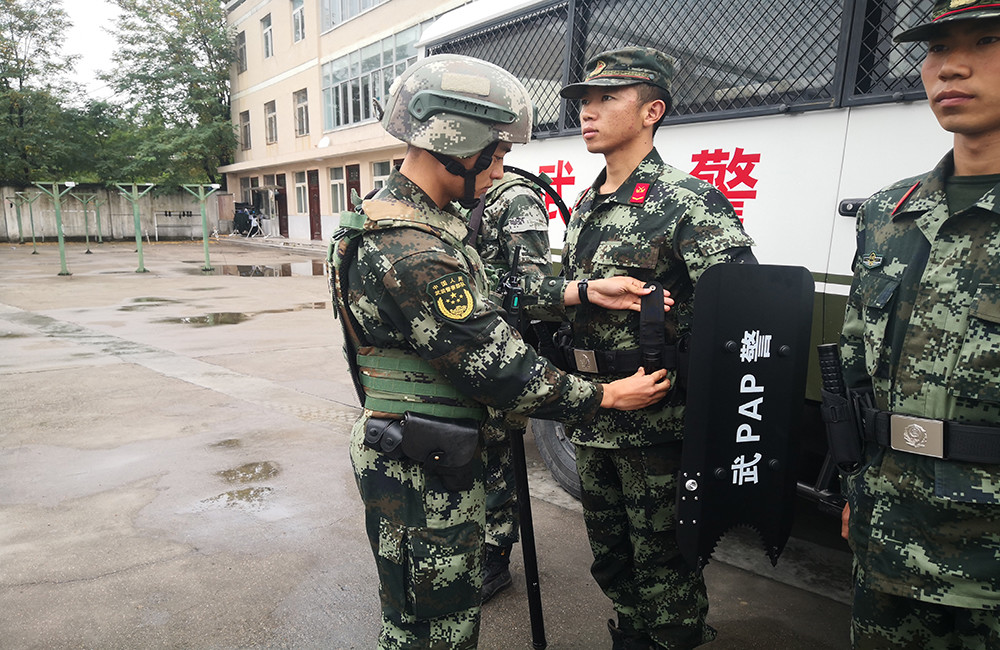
x=444 y=446
x=842 y=416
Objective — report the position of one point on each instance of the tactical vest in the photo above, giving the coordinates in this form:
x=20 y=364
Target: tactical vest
x=392 y=381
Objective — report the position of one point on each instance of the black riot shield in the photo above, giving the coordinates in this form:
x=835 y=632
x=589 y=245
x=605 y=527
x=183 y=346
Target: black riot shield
x=745 y=393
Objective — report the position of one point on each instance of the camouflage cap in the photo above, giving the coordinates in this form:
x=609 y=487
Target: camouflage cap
x=457 y=106
x=624 y=67
x=947 y=11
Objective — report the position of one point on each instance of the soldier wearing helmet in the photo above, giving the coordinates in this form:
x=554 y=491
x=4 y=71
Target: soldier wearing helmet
x=921 y=338
x=431 y=355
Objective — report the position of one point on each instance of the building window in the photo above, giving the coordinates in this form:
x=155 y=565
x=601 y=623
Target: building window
x=270 y=122
x=338 y=190
x=245 y=189
x=301 y=98
x=351 y=82
x=380 y=172
x=301 y=193
x=334 y=12
x=245 y=130
x=298 y=20
x=241 y=52
x=267 y=36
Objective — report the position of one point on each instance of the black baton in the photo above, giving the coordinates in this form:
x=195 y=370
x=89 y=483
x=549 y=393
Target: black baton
x=511 y=287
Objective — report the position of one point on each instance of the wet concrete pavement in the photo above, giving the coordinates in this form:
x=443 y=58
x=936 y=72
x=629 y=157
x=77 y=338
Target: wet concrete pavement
x=174 y=473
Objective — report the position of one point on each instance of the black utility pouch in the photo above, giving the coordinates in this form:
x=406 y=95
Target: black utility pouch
x=386 y=436
x=445 y=446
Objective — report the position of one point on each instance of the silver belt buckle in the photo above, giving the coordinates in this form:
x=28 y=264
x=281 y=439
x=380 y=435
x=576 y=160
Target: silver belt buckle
x=586 y=361
x=916 y=435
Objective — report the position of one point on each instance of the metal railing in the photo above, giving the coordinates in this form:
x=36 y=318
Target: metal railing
x=733 y=58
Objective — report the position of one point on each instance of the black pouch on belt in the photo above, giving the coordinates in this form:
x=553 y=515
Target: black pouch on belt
x=386 y=436
x=446 y=447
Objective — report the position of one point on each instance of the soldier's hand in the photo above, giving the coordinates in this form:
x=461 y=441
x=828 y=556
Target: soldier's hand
x=845 y=520
x=636 y=392
x=621 y=292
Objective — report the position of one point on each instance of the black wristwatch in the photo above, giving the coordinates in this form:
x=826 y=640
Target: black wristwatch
x=581 y=286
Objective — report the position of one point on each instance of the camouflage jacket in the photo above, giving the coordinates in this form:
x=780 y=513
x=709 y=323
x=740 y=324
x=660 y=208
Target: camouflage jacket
x=414 y=290
x=514 y=216
x=923 y=328
x=661 y=224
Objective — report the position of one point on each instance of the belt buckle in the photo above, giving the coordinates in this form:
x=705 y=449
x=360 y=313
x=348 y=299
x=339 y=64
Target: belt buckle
x=586 y=360
x=916 y=435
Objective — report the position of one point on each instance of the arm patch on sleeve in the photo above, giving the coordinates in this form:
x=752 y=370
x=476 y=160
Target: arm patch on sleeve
x=452 y=297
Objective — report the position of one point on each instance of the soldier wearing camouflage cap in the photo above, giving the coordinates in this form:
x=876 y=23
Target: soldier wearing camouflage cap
x=644 y=217
x=921 y=337
x=431 y=355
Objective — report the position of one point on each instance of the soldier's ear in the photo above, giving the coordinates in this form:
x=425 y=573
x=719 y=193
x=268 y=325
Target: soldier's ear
x=653 y=112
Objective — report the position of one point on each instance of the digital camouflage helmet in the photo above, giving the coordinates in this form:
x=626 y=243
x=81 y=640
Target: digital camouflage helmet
x=458 y=106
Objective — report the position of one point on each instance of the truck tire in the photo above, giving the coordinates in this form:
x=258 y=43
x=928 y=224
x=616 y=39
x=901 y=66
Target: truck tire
x=557 y=453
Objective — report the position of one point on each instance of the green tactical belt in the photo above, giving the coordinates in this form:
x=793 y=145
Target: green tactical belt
x=395 y=382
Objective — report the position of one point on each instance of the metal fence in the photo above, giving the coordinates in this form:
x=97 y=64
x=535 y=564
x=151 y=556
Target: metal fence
x=733 y=58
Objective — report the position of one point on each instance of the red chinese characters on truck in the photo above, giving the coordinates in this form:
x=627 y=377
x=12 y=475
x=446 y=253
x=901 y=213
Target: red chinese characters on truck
x=730 y=172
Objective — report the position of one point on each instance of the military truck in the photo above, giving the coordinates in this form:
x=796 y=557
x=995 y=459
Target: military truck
x=797 y=111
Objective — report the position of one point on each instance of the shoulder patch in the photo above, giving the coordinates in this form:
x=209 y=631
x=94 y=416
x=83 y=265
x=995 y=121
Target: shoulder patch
x=452 y=297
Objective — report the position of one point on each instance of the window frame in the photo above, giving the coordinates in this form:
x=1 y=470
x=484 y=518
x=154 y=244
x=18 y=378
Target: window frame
x=300 y=104
x=271 y=122
x=267 y=36
x=245 y=137
x=241 y=52
x=298 y=20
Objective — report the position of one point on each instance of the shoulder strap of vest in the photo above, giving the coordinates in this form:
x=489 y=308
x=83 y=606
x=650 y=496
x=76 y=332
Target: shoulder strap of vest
x=384 y=214
x=347 y=251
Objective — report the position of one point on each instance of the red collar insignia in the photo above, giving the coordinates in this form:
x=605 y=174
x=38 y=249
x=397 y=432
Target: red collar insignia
x=639 y=193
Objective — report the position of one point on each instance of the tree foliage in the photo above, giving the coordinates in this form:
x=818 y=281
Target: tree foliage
x=172 y=69
x=32 y=80
x=169 y=122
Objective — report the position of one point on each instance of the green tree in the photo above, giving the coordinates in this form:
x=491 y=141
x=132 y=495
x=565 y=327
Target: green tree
x=172 y=67
x=32 y=81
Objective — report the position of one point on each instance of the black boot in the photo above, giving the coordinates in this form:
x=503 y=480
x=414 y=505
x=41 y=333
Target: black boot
x=496 y=571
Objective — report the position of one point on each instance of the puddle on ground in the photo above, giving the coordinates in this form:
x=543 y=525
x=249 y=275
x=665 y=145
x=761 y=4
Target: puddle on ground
x=285 y=270
x=250 y=472
x=209 y=320
x=247 y=498
x=234 y=317
x=229 y=443
x=142 y=303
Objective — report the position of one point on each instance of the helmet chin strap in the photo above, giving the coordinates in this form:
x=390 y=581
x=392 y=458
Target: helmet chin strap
x=485 y=159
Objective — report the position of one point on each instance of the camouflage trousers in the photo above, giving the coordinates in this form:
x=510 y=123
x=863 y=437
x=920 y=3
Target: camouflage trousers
x=882 y=621
x=940 y=593
x=501 y=496
x=428 y=547
x=629 y=508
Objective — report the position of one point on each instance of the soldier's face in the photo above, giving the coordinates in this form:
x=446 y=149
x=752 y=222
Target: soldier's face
x=961 y=75
x=610 y=117
x=485 y=178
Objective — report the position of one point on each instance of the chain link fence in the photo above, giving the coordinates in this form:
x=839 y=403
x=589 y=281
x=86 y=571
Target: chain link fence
x=733 y=58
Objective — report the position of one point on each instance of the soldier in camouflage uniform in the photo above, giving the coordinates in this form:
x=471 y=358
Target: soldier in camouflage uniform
x=424 y=339
x=513 y=215
x=922 y=330
x=643 y=218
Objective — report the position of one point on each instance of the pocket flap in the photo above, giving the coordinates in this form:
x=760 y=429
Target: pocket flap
x=986 y=304
x=623 y=254
x=876 y=290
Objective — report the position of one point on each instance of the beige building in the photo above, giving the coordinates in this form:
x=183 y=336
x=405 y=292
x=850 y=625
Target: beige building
x=303 y=90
